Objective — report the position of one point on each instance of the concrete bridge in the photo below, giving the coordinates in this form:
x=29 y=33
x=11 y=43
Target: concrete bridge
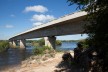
x=66 y=25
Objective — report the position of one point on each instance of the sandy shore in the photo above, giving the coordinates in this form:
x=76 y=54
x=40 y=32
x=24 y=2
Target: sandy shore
x=49 y=65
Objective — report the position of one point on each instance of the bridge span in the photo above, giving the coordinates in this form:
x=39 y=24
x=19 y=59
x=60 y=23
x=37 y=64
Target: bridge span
x=66 y=25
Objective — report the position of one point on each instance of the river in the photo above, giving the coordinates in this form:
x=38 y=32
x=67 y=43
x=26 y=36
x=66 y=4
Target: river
x=13 y=57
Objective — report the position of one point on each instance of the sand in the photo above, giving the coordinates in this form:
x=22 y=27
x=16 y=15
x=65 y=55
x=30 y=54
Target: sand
x=49 y=65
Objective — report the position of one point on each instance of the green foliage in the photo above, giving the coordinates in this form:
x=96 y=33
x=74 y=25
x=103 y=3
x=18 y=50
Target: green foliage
x=81 y=3
x=4 y=45
x=84 y=43
x=58 y=42
x=38 y=50
x=41 y=42
x=97 y=30
x=41 y=50
x=70 y=40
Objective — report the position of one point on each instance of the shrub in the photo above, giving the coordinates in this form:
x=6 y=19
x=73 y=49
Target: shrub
x=41 y=50
x=84 y=43
x=58 y=42
x=4 y=45
x=41 y=42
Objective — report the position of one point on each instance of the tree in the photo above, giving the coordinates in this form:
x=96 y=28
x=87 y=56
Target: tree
x=98 y=29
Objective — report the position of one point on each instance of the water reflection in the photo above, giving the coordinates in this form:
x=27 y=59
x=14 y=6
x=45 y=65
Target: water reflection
x=13 y=57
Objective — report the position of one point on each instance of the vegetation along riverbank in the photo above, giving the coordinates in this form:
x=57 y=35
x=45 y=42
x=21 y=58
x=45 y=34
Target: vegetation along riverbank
x=4 y=45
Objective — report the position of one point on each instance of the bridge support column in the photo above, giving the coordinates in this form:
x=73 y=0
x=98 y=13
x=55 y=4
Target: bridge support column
x=22 y=43
x=14 y=44
x=10 y=44
x=50 y=41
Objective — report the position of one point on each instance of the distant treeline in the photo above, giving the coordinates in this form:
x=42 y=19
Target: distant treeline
x=41 y=42
x=72 y=40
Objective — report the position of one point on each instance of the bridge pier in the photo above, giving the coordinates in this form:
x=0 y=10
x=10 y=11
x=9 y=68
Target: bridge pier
x=10 y=44
x=14 y=43
x=50 y=41
x=22 y=43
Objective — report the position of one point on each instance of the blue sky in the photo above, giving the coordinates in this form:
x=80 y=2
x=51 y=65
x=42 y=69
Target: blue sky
x=19 y=15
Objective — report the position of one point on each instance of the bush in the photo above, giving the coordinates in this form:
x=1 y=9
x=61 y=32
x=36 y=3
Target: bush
x=41 y=42
x=41 y=50
x=58 y=42
x=38 y=51
x=84 y=43
x=4 y=45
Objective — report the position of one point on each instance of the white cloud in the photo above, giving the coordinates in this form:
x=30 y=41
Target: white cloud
x=37 y=23
x=38 y=8
x=12 y=15
x=9 y=26
x=42 y=18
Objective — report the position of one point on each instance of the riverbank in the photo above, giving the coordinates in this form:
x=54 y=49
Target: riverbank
x=30 y=65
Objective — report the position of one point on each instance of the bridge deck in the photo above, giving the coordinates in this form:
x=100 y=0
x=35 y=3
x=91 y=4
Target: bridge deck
x=55 y=22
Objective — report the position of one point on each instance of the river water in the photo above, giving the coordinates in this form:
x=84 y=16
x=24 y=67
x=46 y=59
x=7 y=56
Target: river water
x=13 y=57
x=67 y=46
